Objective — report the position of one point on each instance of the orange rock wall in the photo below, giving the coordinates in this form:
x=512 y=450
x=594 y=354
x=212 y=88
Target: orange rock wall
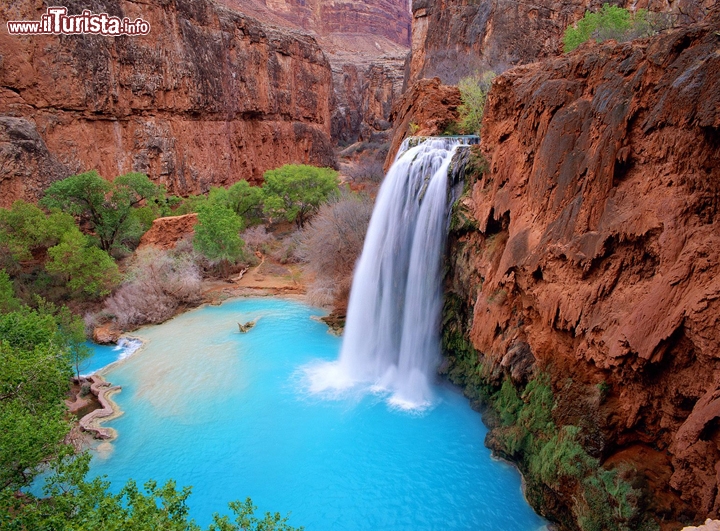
x=596 y=249
x=452 y=39
x=209 y=97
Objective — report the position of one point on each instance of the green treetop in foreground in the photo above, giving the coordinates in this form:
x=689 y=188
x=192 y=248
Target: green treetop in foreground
x=295 y=191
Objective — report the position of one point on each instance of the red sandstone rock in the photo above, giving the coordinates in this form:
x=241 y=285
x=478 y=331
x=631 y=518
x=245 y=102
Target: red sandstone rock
x=452 y=39
x=166 y=232
x=106 y=334
x=209 y=97
x=597 y=250
x=427 y=104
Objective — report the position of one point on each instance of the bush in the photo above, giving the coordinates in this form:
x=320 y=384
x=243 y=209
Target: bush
x=217 y=234
x=332 y=243
x=257 y=239
x=611 y=22
x=295 y=191
x=109 y=208
x=156 y=284
x=473 y=93
x=85 y=269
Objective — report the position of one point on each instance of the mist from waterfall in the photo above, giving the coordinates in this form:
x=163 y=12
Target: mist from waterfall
x=392 y=332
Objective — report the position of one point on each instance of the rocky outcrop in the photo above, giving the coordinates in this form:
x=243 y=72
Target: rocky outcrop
x=452 y=39
x=427 y=108
x=209 y=97
x=166 y=232
x=589 y=248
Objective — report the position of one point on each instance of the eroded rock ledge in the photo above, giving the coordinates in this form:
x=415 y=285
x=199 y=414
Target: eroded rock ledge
x=589 y=248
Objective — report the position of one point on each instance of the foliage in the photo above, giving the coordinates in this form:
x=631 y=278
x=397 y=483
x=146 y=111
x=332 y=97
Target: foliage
x=85 y=269
x=157 y=283
x=296 y=191
x=8 y=301
x=611 y=22
x=24 y=228
x=107 y=207
x=245 y=200
x=473 y=93
x=217 y=234
x=332 y=242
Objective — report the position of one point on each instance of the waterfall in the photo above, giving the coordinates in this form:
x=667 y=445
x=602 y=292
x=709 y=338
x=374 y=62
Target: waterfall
x=392 y=332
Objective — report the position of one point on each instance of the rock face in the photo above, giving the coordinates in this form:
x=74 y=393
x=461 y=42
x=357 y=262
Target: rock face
x=389 y=19
x=452 y=39
x=591 y=250
x=366 y=44
x=209 y=97
x=427 y=108
x=166 y=232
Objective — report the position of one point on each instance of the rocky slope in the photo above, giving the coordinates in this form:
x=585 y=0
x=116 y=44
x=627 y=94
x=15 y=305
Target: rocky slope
x=455 y=38
x=209 y=97
x=587 y=248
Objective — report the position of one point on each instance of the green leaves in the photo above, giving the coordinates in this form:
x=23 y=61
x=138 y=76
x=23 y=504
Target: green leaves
x=473 y=93
x=296 y=191
x=611 y=22
x=86 y=269
x=107 y=207
x=217 y=233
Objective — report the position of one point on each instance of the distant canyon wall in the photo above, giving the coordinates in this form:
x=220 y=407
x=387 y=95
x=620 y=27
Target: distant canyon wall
x=209 y=97
x=452 y=39
x=366 y=43
x=591 y=251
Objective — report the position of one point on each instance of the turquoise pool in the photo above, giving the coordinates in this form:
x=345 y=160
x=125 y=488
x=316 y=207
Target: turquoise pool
x=232 y=415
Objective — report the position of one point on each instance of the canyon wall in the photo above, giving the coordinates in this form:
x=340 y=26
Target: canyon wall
x=452 y=39
x=209 y=97
x=366 y=43
x=587 y=247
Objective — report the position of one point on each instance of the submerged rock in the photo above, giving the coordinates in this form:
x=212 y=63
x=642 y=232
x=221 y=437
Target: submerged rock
x=244 y=328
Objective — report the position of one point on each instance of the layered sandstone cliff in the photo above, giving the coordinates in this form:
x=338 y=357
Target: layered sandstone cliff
x=589 y=249
x=366 y=43
x=209 y=97
x=452 y=39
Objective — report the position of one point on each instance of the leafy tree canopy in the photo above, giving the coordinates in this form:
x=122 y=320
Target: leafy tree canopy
x=245 y=200
x=108 y=207
x=217 y=233
x=296 y=191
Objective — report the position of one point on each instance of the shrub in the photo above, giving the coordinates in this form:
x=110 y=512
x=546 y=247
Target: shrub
x=86 y=269
x=258 y=239
x=473 y=93
x=611 y=22
x=107 y=207
x=156 y=284
x=295 y=191
x=332 y=243
x=217 y=234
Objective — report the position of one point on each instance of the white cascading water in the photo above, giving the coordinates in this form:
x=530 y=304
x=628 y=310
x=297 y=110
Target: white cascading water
x=392 y=332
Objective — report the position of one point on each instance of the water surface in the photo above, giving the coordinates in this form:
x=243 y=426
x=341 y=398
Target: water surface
x=231 y=414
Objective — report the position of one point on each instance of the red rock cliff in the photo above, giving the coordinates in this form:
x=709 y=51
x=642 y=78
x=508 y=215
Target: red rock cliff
x=592 y=251
x=455 y=38
x=209 y=97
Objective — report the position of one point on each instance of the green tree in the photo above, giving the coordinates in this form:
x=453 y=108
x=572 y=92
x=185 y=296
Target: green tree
x=24 y=228
x=217 y=234
x=473 y=94
x=245 y=200
x=296 y=191
x=86 y=269
x=107 y=207
x=611 y=22
x=8 y=301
